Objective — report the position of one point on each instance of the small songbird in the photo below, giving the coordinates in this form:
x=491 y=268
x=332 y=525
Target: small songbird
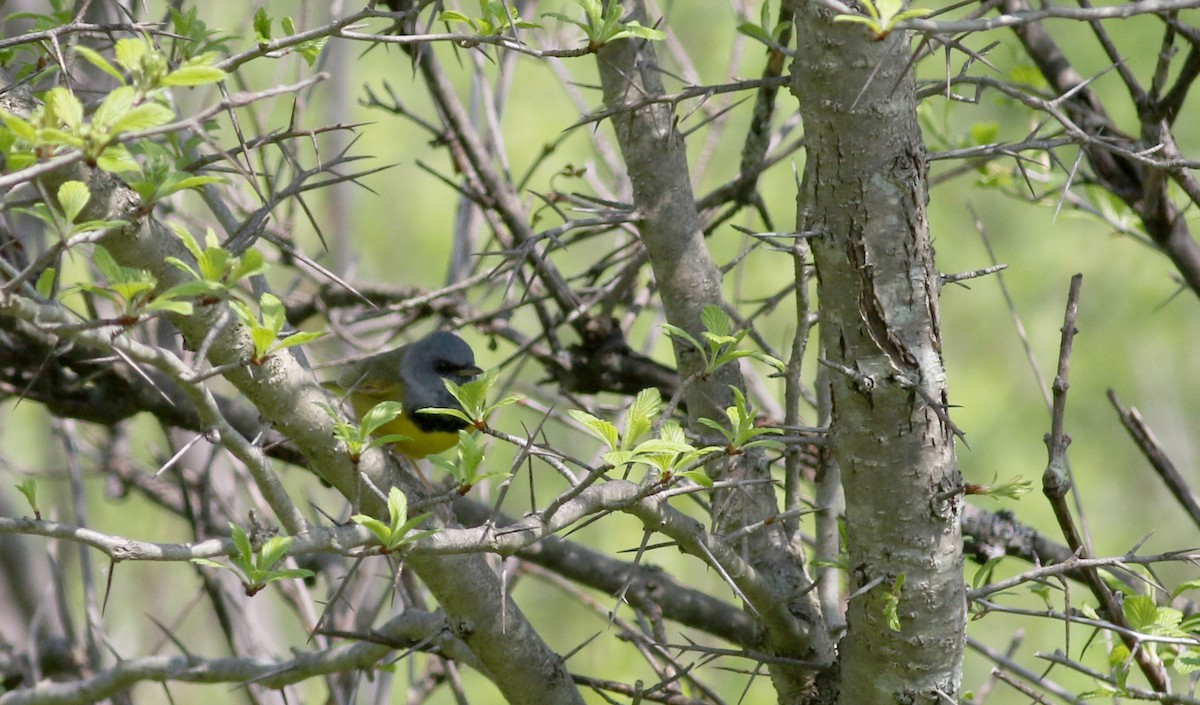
x=414 y=375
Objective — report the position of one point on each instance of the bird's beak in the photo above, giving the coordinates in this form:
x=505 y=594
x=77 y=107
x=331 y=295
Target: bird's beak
x=470 y=372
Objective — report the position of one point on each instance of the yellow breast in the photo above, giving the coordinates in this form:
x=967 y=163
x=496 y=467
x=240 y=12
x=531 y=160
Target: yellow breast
x=422 y=443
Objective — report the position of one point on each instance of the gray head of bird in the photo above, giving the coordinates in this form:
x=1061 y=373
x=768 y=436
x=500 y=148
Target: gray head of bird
x=427 y=362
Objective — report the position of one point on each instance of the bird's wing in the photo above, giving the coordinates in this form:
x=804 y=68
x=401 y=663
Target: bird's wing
x=378 y=375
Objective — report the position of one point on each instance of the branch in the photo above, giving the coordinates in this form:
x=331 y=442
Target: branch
x=1159 y=460
x=409 y=630
x=1056 y=484
x=1027 y=17
x=53 y=318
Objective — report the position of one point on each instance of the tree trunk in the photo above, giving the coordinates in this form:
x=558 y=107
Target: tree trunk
x=864 y=192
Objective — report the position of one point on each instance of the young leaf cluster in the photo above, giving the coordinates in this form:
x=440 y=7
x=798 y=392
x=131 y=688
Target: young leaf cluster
x=720 y=346
x=217 y=270
x=473 y=397
x=1146 y=616
x=266 y=328
x=133 y=290
x=466 y=464
x=395 y=533
x=28 y=489
x=359 y=437
x=193 y=38
x=1014 y=488
x=58 y=124
x=148 y=70
x=62 y=219
x=766 y=31
x=257 y=569
x=155 y=178
x=743 y=433
x=215 y=278
x=882 y=16
x=669 y=454
x=604 y=25
x=310 y=49
x=495 y=17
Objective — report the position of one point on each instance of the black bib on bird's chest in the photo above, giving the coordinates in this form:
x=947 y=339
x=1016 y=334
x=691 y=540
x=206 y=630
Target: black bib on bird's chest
x=445 y=356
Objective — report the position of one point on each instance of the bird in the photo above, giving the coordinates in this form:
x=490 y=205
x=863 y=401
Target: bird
x=414 y=375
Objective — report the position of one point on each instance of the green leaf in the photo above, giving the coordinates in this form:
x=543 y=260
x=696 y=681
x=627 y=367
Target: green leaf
x=640 y=416
x=241 y=540
x=1168 y=621
x=873 y=24
x=1187 y=662
x=311 y=50
x=99 y=62
x=1030 y=75
x=28 y=488
x=472 y=396
x=194 y=76
x=45 y=282
x=397 y=505
x=636 y=29
x=116 y=159
x=909 y=14
x=677 y=332
x=298 y=338
x=380 y=414
x=65 y=107
x=72 y=197
x=469 y=454
x=251 y=262
x=209 y=563
x=717 y=427
x=453 y=16
x=272 y=311
x=887 y=9
x=273 y=550
x=143 y=117
x=769 y=444
x=291 y=574
x=617 y=458
x=402 y=535
x=129 y=52
x=107 y=265
x=566 y=18
x=699 y=477
x=114 y=106
x=1140 y=611
x=20 y=127
x=1184 y=587
x=599 y=428
x=161 y=303
x=754 y=32
x=891 y=603
x=262 y=27
x=376 y=527
x=179 y=181
x=396 y=532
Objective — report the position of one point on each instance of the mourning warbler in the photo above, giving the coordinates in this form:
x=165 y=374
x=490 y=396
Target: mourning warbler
x=414 y=375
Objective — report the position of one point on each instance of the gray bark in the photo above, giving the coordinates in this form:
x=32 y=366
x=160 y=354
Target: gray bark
x=656 y=159
x=864 y=190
